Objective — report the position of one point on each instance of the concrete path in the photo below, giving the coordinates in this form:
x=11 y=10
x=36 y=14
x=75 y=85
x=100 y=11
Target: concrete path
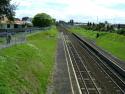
x=61 y=83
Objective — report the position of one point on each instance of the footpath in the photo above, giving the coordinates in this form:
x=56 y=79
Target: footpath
x=61 y=83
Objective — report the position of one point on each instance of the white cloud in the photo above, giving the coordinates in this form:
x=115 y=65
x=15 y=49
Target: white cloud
x=108 y=3
x=74 y=9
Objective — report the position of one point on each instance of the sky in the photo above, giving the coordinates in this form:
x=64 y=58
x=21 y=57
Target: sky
x=79 y=10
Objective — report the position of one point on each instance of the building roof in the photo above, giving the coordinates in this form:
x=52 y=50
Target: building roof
x=16 y=21
x=19 y=22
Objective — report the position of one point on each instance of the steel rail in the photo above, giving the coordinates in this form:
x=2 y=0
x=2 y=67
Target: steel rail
x=104 y=65
x=87 y=71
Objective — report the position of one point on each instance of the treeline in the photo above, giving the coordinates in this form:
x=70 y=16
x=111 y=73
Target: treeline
x=106 y=27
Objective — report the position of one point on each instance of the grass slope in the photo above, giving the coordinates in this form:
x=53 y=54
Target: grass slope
x=2 y=40
x=111 y=42
x=26 y=68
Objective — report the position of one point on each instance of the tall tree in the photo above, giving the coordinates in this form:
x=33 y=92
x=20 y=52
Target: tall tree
x=7 y=9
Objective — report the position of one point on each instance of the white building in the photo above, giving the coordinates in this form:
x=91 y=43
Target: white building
x=6 y=24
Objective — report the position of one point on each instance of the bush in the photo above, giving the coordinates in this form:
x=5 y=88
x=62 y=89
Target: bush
x=42 y=20
x=121 y=31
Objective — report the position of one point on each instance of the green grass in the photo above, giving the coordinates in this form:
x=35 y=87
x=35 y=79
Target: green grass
x=2 y=40
x=111 y=42
x=26 y=68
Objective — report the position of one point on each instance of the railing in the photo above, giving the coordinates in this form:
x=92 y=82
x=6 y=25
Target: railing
x=16 y=36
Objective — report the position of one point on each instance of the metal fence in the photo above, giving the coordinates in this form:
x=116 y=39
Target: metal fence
x=10 y=40
x=12 y=37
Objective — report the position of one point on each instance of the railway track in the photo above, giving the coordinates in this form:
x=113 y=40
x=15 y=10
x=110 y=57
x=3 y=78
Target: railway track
x=94 y=76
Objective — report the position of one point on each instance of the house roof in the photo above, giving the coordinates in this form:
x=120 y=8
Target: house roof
x=19 y=22
x=16 y=21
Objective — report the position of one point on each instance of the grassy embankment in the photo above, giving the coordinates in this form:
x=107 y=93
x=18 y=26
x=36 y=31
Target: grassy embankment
x=111 y=42
x=26 y=68
x=2 y=40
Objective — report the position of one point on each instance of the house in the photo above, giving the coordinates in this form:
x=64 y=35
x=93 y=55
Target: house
x=7 y=24
x=19 y=24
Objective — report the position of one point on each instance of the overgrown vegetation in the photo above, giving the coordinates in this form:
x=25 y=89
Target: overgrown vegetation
x=26 y=68
x=111 y=42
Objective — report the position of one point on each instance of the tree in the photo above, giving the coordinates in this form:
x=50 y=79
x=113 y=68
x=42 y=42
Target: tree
x=42 y=20
x=54 y=21
x=89 y=25
x=7 y=9
x=71 y=22
x=118 y=26
x=25 y=18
